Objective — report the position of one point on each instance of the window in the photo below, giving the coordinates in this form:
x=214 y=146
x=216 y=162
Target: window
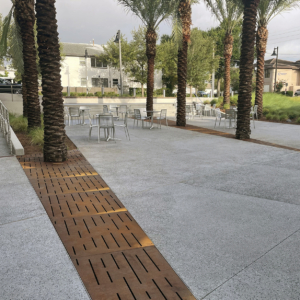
x=267 y=73
x=97 y=82
x=96 y=63
x=83 y=81
x=82 y=61
x=115 y=81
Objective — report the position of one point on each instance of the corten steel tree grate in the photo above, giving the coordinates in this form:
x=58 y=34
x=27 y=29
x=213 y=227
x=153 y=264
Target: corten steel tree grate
x=113 y=256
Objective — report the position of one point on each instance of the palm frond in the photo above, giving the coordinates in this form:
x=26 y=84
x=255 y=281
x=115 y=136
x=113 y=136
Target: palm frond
x=16 y=48
x=227 y=12
x=5 y=31
x=150 y=12
x=268 y=9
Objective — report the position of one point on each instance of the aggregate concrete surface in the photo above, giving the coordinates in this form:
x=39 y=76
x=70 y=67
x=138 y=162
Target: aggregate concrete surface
x=34 y=263
x=224 y=213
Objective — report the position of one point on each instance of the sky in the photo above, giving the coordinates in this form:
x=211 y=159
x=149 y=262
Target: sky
x=81 y=21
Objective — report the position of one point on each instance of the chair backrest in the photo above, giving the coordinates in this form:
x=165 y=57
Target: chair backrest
x=74 y=111
x=163 y=113
x=214 y=106
x=106 y=121
x=125 y=119
x=188 y=109
x=137 y=113
x=143 y=112
x=255 y=109
x=230 y=113
x=207 y=107
x=123 y=109
x=105 y=109
x=66 y=110
x=218 y=113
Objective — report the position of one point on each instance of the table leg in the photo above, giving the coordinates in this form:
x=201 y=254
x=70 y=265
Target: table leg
x=151 y=121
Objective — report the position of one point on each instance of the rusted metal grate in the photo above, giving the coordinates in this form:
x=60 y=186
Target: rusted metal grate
x=112 y=254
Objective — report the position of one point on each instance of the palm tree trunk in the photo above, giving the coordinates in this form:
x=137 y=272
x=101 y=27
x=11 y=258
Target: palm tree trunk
x=151 y=37
x=261 y=45
x=55 y=149
x=26 y=18
x=24 y=96
x=185 y=13
x=243 y=130
x=228 y=45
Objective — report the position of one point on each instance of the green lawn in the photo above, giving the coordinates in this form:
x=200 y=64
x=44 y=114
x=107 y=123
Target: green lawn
x=278 y=107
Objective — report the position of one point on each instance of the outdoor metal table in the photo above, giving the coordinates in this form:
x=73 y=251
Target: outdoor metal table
x=82 y=110
x=152 y=113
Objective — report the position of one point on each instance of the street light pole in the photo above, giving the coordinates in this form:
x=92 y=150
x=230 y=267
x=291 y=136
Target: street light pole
x=275 y=53
x=213 y=76
x=86 y=73
x=118 y=40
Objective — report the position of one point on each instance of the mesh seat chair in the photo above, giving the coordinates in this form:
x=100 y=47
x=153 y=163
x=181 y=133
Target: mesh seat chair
x=74 y=112
x=255 y=107
x=219 y=116
x=230 y=114
x=124 y=126
x=213 y=109
x=139 y=117
x=188 y=111
x=252 y=114
x=67 y=114
x=207 y=108
x=92 y=126
x=162 y=116
x=105 y=109
x=106 y=121
x=123 y=110
x=199 y=110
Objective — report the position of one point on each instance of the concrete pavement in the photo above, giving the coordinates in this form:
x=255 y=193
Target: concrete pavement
x=224 y=213
x=34 y=263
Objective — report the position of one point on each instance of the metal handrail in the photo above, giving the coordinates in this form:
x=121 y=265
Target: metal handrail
x=5 y=126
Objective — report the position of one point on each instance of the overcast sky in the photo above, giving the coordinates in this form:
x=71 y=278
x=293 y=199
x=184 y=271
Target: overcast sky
x=81 y=21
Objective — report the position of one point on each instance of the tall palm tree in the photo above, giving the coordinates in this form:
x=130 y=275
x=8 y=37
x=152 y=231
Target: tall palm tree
x=55 y=149
x=243 y=130
x=267 y=10
x=185 y=18
x=229 y=13
x=151 y=13
x=24 y=16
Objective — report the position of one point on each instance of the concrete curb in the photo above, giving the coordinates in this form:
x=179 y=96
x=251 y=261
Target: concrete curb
x=17 y=147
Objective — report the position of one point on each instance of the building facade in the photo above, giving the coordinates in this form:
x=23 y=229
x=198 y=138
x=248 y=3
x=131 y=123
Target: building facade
x=288 y=72
x=79 y=71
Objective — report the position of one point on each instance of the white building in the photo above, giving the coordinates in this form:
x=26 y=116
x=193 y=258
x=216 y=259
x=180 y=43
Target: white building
x=77 y=69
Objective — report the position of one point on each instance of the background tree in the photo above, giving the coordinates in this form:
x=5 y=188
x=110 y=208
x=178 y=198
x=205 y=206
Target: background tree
x=151 y=13
x=243 y=130
x=136 y=67
x=267 y=10
x=200 y=61
x=228 y=13
x=55 y=149
x=218 y=36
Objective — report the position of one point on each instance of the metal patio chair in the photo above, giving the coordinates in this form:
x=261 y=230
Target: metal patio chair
x=106 y=121
x=139 y=117
x=74 y=112
x=124 y=126
x=162 y=116
x=123 y=110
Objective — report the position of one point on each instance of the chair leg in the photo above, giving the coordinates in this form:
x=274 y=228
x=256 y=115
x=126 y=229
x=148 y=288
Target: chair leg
x=90 y=133
x=127 y=133
x=167 y=121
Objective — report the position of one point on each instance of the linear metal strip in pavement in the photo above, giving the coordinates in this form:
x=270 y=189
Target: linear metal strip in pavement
x=112 y=254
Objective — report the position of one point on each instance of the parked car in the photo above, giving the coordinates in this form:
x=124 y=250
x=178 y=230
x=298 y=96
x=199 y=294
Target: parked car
x=297 y=93
x=7 y=87
x=202 y=93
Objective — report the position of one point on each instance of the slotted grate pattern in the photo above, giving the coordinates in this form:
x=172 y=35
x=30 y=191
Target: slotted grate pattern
x=112 y=254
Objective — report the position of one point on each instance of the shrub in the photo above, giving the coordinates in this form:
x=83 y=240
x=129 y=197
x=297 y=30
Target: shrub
x=65 y=94
x=298 y=120
x=293 y=115
x=269 y=116
x=98 y=94
x=206 y=102
x=212 y=102
x=226 y=106
x=72 y=94
x=276 y=118
x=111 y=94
x=18 y=123
x=288 y=93
x=37 y=136
x=266 y=111
x=284 y=117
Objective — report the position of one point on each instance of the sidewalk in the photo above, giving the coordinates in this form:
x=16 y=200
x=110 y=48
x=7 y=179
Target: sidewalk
x=224 y=213
x=34 y=263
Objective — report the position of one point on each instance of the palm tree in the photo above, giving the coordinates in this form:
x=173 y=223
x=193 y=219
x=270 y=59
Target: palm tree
x=24 y=16
x=243 y=130
x=151 y=13
x=185 y=19
x=229 y=13
x=55 y=149
x=267 y=10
